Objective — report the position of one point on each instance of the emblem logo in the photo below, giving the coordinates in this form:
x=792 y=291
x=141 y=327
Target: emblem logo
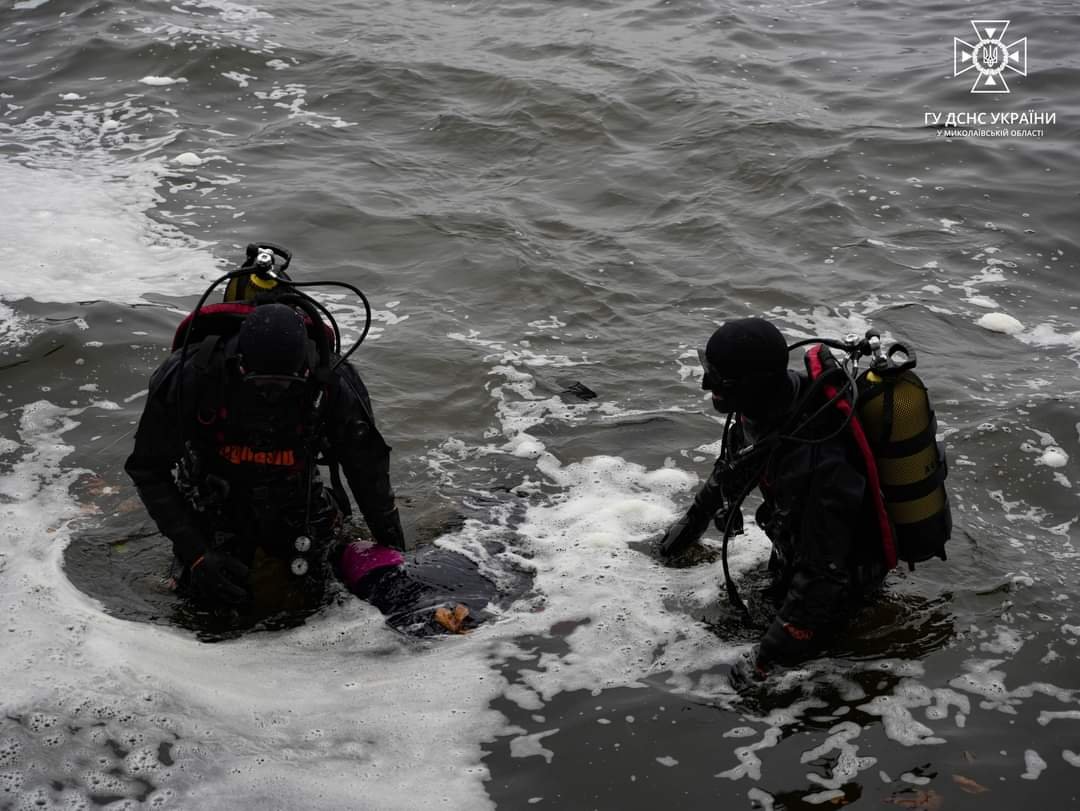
x=990 y=56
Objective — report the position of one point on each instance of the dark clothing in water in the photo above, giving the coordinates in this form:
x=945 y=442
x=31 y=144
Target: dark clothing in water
x=219 y=468
x=827 y=558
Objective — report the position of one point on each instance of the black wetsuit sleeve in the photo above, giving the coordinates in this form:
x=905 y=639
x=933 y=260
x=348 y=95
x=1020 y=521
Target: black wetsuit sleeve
x=158 y=448
x=818 y=596
x=709 y=499
x=365 y=458
x=688 y=530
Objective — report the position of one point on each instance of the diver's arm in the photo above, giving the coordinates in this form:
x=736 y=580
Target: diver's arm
x=688 y=530
x=158 y=448
x=817 y=599
x=365 y=459
x=708 y=500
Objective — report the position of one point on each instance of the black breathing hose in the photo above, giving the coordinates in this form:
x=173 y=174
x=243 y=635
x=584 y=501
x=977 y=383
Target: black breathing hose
x=367 y=312
x=751 y=451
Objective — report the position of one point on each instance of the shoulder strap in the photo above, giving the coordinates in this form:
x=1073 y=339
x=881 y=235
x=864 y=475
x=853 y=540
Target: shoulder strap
x=815 y=365
x=163 y=375
x=338 y=488
x=321 y=444
x=209 y=365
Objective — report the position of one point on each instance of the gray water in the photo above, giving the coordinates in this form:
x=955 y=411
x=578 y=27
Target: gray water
x=534 y=195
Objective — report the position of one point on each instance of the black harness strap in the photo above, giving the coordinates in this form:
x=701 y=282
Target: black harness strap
x=337 y=487
x=209 y=367
x=911 y=445
x=898 y=493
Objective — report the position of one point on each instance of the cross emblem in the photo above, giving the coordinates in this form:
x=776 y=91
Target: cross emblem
x=990 y=56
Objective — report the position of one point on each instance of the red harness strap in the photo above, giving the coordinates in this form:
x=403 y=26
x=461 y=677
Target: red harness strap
x=237 y=310
x=225 y=317
x=888 y=543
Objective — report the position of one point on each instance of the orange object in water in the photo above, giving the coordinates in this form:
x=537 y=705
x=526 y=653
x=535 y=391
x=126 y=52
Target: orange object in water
x=452 y=621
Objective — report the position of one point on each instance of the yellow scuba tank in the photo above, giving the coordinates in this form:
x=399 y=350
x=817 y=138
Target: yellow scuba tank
x=245 y=289
x=265 y=272
x=895 y=412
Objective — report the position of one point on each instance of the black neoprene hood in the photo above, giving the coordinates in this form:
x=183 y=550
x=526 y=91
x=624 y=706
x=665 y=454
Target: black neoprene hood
x=273 y=340
x=745 y=347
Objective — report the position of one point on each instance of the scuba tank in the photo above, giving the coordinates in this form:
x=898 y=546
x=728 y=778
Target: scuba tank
x=900 y=426
x=262 y=279
x=886 y=411
x=266 y=270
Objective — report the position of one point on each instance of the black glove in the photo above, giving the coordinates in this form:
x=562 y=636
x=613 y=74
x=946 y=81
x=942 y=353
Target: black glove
x=684 y=533
x=386 y=529
x=216 y=577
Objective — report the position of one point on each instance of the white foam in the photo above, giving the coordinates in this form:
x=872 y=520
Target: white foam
x=110 y=248
x=945 y=699
x=1071 y=757
x=530 y=746
x=292 y=96
x=301 y=694
x=1008 y=641
x=1054 y=457
x=552 y=322
x=1046 y=716
x=1034 y=764
x=15 y=328
x=525 y=446
x=242 y=79
x=847 y=762
x=846 y=318
x=578 y=542
x=895 y=713
x=525 y=698
x=188 y=159
x=1049 y=335
x=231 y=11
x=161 y=81
x=1001 y=322
x=765 y=800
x=740 y=732
x=749 y=760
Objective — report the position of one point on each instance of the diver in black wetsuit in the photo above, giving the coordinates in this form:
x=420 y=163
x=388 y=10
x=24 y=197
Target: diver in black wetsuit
x=827 y=558
x=225 y=462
